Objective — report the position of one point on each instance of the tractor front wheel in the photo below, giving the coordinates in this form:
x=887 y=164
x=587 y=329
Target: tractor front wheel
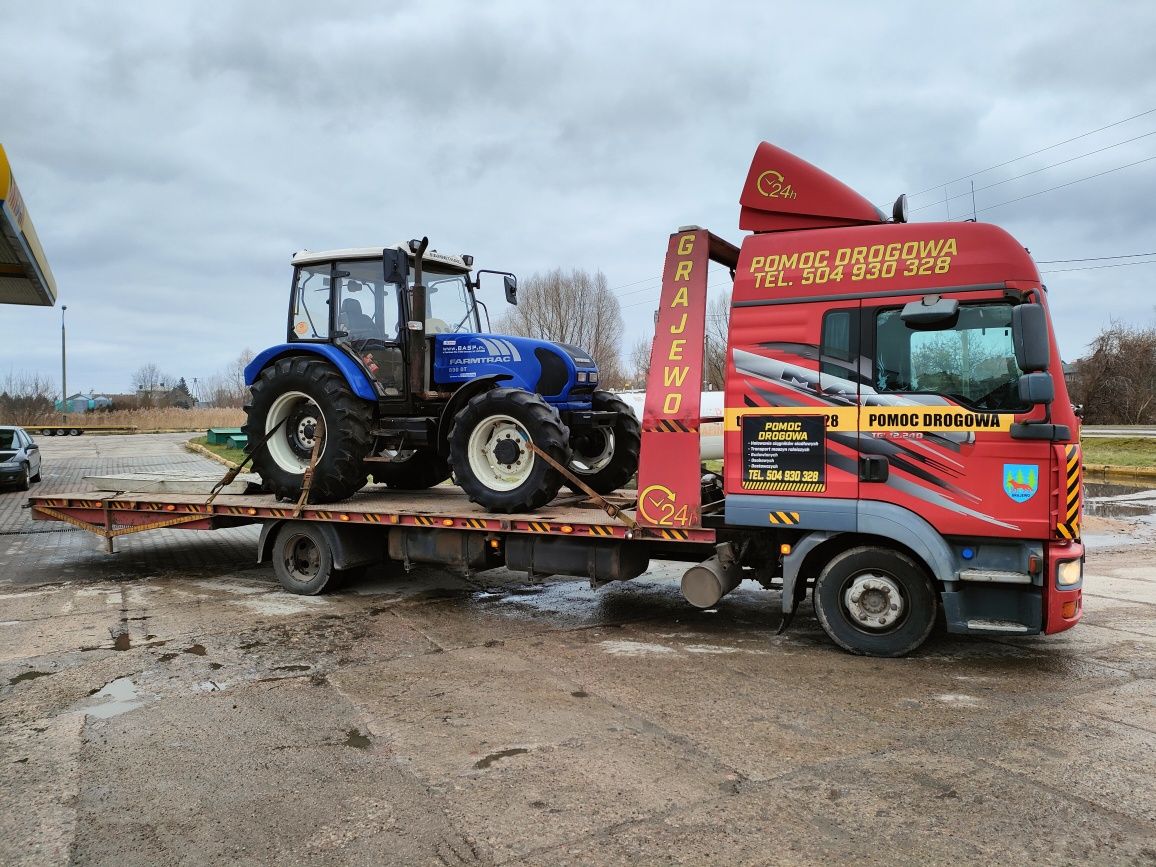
x=300 y=397
x=489 y=450
x=606 y=457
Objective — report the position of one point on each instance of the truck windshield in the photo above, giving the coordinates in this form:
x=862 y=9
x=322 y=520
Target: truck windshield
x=972 y=362
x=450 y=305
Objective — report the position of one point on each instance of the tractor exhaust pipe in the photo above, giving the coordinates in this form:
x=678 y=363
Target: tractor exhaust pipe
x=415 y=327
x=708 y=582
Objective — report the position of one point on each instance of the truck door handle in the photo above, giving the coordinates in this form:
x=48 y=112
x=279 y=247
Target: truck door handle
x=873 y=468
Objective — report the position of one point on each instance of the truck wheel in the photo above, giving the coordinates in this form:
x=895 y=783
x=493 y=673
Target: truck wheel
x=413 y=470
x=73 y=432
x=299 y=392
x=303 y=560
x=488 y=451
x=606 y=458
x=875 y=602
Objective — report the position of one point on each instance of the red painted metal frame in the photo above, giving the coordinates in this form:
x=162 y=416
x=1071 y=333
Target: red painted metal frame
x=134 y=510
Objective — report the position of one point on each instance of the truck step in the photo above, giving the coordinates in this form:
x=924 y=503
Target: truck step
x=994 y=576
x=996 y=626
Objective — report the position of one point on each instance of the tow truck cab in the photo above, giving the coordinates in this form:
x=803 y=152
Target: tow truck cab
x=899 y=380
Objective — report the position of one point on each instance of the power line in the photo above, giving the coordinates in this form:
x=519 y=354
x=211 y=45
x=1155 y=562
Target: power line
x=1036 y=171
x=1068 y=184
x=1098 y=267
x=1093 y=258
x=1033 y=153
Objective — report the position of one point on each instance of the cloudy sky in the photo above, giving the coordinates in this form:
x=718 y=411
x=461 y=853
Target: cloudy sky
x=174 y=155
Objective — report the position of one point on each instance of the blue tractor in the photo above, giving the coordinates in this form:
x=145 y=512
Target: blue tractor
x=387 y=357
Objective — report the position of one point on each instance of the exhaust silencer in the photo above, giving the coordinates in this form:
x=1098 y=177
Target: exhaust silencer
x=708 y=582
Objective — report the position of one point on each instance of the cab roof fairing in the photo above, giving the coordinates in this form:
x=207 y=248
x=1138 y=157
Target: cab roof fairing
x=431 y=257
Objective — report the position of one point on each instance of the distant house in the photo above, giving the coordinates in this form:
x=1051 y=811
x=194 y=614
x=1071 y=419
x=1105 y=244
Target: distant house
x=1071 y=371
x=83 y=403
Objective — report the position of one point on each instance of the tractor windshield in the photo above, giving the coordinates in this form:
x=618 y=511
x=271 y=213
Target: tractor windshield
x=450 y=304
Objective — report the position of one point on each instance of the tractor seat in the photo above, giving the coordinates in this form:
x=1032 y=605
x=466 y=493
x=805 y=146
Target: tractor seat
x=356 y=322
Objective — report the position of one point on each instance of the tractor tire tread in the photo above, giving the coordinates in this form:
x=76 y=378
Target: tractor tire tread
x=341 y=470
x=548 y=433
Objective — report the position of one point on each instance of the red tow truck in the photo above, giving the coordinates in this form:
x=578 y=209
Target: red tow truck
x=897 y=439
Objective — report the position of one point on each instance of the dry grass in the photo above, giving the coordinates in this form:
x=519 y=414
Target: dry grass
x=168 y=418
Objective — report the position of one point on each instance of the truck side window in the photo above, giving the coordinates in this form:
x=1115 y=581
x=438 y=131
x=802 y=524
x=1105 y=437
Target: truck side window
x=839 y=351
x=972 y=362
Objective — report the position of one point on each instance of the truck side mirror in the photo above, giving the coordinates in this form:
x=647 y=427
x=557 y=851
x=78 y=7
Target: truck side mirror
x=1037 y=388
x=1030 y=337
x=931 y=311
x=511 y=284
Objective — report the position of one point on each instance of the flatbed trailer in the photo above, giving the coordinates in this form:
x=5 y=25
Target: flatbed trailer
x=67 y=428
x=897 y=439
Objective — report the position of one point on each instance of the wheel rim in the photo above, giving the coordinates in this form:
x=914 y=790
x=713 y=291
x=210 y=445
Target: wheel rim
x=874 y=602
x=596 y=454
x=292 y=447
x=302 y=559
x=498 y=454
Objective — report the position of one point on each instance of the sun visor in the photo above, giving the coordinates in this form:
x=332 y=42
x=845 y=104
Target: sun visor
x=783 y=192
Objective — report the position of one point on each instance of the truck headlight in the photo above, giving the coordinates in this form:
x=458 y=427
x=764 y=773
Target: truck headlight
x=581 y=376
x=1069 y=573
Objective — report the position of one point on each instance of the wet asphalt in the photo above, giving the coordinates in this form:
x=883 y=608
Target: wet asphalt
x=170 y=704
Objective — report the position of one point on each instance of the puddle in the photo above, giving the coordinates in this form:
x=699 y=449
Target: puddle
x=483 y=763
x=196 y=650
x=355 y=739
x=1112 y=500
x=28 y=675
x=120 y=696
x=122 y=642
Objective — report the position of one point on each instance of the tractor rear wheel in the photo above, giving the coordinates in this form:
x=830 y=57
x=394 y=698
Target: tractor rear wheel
x=413 y=470
x=298 y=394
x=606 y=457
x=489 y=454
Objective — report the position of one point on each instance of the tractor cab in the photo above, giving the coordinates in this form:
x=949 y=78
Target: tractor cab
x=354 y=299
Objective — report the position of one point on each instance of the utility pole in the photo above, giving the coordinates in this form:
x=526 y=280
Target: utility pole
x=63 y=365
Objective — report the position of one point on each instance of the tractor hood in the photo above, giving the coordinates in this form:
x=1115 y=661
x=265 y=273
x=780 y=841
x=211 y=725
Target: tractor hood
x=558 y=372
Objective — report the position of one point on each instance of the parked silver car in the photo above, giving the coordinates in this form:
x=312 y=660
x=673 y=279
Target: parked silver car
x=19 y=457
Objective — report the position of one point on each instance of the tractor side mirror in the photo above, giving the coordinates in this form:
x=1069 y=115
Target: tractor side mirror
x=1030 y=337
x=930 y=312
x=511 y=284
x=396 y=266
x=1037 y=388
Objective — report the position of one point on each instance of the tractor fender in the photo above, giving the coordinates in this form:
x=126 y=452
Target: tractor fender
x=460 y=398
x=355 y=376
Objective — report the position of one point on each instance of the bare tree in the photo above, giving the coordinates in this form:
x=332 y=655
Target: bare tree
x=639 y=362
x=1116 y=382
x=227 y=388
x=576 y=308
x=148 y=381
x=26 y=398
x=714 y=360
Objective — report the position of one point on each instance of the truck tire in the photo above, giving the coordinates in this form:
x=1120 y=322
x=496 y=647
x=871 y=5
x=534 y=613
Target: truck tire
x=413 y=470
x=488 y=453
x=875 y=602
x=298 y=391
x=303 y=560
x=606 y=458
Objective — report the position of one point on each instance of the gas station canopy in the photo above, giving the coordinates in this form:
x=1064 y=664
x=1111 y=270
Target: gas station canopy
x=24 y=274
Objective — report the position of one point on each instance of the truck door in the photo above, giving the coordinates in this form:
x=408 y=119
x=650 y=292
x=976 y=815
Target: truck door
x=935 y=421
x=793 y=406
